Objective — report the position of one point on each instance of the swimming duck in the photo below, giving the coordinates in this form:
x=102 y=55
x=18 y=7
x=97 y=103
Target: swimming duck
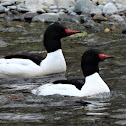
x=32 y=66
x=92 y=84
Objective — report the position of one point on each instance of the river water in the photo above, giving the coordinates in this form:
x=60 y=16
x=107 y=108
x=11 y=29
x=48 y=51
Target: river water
x=18 y=107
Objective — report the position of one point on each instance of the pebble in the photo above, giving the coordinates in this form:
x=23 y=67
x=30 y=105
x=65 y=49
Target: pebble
x=78 y=11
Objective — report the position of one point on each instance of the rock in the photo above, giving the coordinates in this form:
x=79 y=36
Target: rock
x=55 y=11
x=40 y=11
x=74 y=18
x=107 y=30
x=99 y=18
x=45 y=8
x=65 y=3
x=47 y=17
x=97 y=11
x=101 y=7
x=80 y=35
x=117 y=18
x=85 y=18
x=62 y=7
x=69 y=18
x=9 y=3
x=12 y=7
x=120 y=6
x=70 y=10
x=84 y=6
x=90 y=24
x=2 y=9
x=121 y=12
x=124 y=31
x=53 y=7
x=109 y=8
x=95 y=2
x=121 y=1
x=45 y=3
x=51 y=2
x=22 y=8
x=28 y=16
x=102 y=2
x=63 y=16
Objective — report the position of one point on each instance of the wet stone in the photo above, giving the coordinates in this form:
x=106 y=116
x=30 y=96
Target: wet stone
x=2 y=9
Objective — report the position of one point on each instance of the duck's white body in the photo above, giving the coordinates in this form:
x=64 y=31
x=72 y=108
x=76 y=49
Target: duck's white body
x=93 y=85
x=53 y=63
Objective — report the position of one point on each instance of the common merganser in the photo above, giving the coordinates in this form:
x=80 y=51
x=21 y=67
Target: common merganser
x=93 y=83
x=32 y=66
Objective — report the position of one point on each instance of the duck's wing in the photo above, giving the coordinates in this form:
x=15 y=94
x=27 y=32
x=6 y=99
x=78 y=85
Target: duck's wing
x=78 y=83
x=35 y=58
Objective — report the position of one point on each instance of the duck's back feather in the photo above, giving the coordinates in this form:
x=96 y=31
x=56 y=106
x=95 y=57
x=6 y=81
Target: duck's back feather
x=35 y=58
x=78 y=83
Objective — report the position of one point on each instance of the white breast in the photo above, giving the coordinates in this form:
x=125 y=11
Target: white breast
x=54 y=63
x=94 y=85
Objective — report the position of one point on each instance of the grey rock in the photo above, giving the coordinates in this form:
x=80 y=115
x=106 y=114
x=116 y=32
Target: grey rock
x=90 y=24
x=47 y=17
x=85 y=18
x=28 y=16
x=62 y=16
x=62 y=7
x=40 y=11
x=101 y=7
x=53 y=7
x=70 y=10
x=120 y=6
x=69 y=18
x=62 y=10
x=84 y=6
x=12 y=7
x=97 y=11
x=9 y=3
x=2 y=9
x=55 y=10
x=65 y=3
x=22 y=8
x=74 y=18
x=109 y=8
x=117 y=18
x=46 y=4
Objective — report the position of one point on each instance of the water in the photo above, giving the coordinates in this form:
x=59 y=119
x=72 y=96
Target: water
x=21 y=108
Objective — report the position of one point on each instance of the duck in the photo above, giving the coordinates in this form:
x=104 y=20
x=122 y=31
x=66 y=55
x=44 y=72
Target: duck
x=92 y=83
x=19 y=65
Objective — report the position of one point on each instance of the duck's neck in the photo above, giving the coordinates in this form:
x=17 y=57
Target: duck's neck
x=94 y=85
x=54 y=62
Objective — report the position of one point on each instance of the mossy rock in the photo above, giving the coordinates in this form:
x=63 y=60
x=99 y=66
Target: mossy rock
x=79 y=35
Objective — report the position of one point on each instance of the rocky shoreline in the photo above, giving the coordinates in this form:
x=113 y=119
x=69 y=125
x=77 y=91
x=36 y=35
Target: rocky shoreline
x=78 y=11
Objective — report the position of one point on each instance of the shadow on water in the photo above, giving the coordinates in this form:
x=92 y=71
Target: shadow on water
x=19 y=107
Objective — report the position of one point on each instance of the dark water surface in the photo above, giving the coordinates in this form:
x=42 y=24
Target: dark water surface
x=18 y=107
